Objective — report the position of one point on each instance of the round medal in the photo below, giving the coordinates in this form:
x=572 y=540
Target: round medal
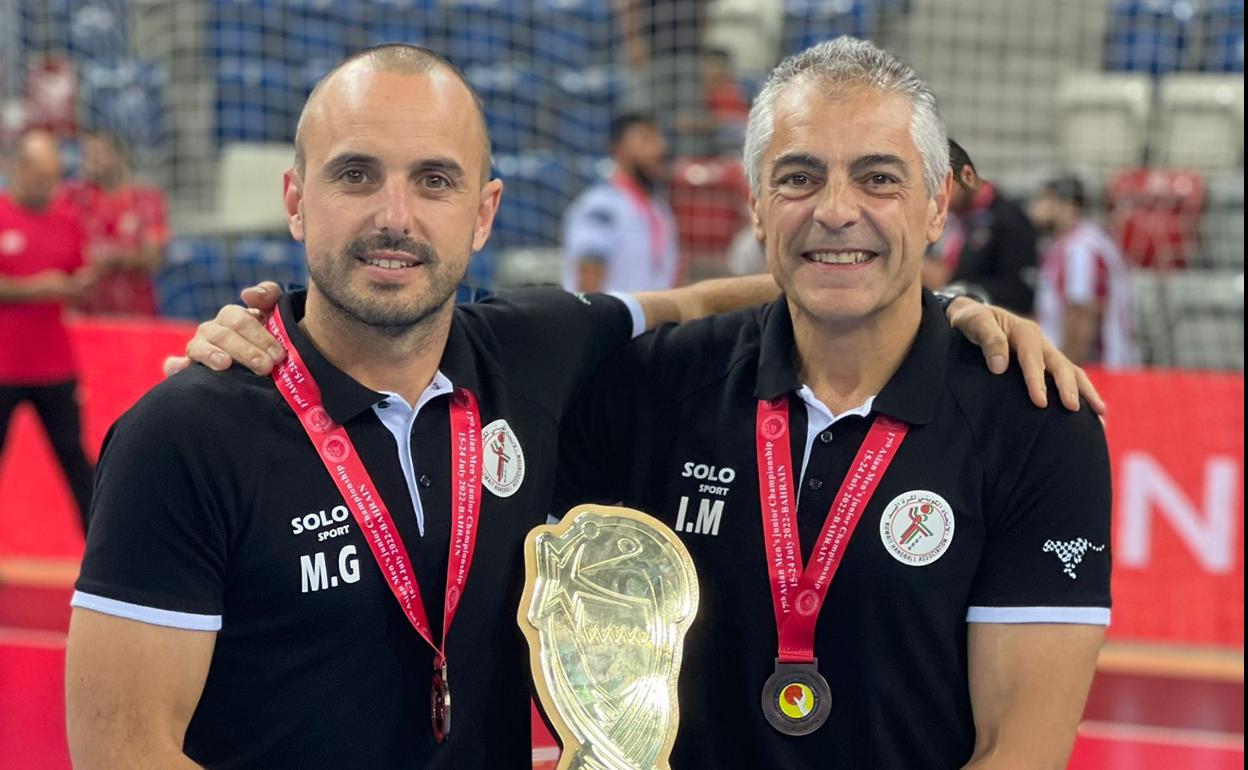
x=440 y=705
x=796 y=698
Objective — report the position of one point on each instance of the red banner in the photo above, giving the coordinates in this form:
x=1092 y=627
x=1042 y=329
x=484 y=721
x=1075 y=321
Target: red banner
x=1176 y=442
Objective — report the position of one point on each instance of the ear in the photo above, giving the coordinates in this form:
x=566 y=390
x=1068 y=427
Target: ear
x=491 y=194
x=292 y=201
x=938 y=209
x=756 y=221
x=967 y=175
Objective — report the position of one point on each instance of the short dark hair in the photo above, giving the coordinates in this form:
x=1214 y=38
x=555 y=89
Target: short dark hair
x=1068 y=188
x=623 y=122
x=958 y=159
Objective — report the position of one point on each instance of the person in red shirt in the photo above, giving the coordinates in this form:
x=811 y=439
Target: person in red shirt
x=125 y=227
x=41 y=269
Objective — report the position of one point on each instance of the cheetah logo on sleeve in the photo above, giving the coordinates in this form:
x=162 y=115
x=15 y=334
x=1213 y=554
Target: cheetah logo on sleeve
x=1071 y=553
x=502 y=469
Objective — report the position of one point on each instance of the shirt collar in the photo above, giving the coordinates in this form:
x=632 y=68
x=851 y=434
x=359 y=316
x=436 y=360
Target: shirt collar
x=911 y=394
x=344 y=397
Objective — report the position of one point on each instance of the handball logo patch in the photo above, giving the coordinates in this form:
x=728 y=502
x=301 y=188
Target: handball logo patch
x=12 y=242
x=797 y=700
x=502 y=469
x=917 y=527
x=1071 y=553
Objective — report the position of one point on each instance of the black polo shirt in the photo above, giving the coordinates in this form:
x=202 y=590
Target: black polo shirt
x=212 y=510
x=668 y=427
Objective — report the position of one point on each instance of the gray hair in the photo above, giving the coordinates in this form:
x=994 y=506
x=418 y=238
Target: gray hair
x=846 y=62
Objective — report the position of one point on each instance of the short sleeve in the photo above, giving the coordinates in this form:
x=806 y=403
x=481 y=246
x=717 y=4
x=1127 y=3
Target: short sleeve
x=590 y=229
x=153 y=216
x=157 y=541
x=1047 y=554
x=1080 y=275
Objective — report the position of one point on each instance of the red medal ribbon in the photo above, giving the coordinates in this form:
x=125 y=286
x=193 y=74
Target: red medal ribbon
x=797 y=594
x=338 y=453
x=654 y=223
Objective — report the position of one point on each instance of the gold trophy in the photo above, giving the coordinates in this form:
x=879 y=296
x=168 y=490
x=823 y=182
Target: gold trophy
x=608 y=596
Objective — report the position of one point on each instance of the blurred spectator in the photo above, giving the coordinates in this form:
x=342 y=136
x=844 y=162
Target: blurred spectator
x=725 y=103
x=41 y=268
x=989 y=244
x=125 y=228
x=746 y=255
x=619 y=235
x=1083 y=297
x=663 y=45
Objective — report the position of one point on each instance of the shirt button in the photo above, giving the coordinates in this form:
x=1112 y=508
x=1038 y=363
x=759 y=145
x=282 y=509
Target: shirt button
x=814 y=484
x=383 y=405
x=825 y=437
x=424 y=481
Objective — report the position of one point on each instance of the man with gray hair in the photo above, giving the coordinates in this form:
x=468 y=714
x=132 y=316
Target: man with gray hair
x=959 y=625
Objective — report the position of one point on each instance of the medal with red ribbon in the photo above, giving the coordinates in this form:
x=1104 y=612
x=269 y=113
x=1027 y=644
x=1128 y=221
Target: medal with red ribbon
x=337 y=452
x=796 y=698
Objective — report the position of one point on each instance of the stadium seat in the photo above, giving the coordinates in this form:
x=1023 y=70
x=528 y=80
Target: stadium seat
x=1223 y=39
x=267 y=259
x=249 y=188
x=1154 y=215
x=529 y=267
x=483 y=32
x=242 y=28
x=128 y=98
x=583 y=104
x=1222 y=226
x=1201 y=121
x=572 y=33
x=807 y=22
x=1102 y=119
x=98 y=31
x=1207 y=308
x=255 y=100
x=511 y=93
x=194 y=280
x=1149 y=36
x=403 y=21
x=537 y=192
x=709 y=199
x=748 y=30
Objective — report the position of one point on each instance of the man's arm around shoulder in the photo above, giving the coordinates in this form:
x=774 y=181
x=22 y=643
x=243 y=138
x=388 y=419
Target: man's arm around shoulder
x=130 y=690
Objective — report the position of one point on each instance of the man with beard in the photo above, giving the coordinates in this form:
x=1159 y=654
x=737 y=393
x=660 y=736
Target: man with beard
x=619 y=235
x=235 y=603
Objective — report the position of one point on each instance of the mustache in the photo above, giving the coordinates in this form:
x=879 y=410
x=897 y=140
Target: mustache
x=421 y=250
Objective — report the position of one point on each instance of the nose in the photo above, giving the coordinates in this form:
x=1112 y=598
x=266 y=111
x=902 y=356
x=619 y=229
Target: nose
x=394 y=207
x=838 y=206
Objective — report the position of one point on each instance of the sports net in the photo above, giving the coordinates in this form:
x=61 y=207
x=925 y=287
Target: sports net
x=1143 y=99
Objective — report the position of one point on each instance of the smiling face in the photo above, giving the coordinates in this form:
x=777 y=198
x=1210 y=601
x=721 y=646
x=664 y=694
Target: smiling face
x=842 y=208
x=390 y=201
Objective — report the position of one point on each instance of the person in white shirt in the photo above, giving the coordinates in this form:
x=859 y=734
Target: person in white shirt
x=619 y=235
x=1083 y=297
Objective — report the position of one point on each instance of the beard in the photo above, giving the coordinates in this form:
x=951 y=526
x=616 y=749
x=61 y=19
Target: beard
x=384 y=307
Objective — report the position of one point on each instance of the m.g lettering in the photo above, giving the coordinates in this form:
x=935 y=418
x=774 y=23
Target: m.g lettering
x=315 y=521
x=314 y=571
x=708 y=473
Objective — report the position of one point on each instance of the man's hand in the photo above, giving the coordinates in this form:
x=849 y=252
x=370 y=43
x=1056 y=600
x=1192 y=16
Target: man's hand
x=999 y=331
x=236 y=334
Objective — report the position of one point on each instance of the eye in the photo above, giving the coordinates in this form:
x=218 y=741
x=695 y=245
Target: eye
x=881 y=180
x=795 y=180
x=354 y=176
x=437 y=182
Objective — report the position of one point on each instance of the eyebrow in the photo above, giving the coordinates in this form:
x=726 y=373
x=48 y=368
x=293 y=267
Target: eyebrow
x=340 y=163
x=871 y=161
x=799 y=160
